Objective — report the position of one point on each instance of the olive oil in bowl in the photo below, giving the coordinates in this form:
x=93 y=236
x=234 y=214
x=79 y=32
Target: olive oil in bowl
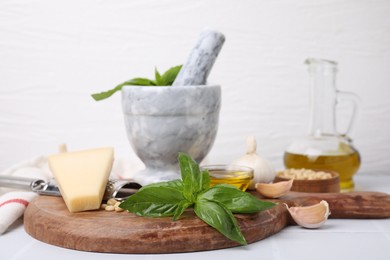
x=238 y=176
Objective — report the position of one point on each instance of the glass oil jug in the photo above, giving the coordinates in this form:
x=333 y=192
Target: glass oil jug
x=325 y=148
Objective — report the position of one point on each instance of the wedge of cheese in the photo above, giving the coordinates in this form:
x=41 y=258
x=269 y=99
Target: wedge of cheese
x=82 y=176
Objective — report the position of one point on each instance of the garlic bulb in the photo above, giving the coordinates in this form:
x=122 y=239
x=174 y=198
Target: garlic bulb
x=263 y=170
x=312 y=216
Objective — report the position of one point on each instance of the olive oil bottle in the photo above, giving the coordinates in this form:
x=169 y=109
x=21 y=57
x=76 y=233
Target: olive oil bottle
x=325 y=148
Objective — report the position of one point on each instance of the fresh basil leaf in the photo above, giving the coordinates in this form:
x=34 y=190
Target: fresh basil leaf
x=139 y=82
x=169 y=76
x=191 y=176
x=234 y=199
x=106 y=94
x=175 y=184
x=205 y=180
x=220 y=218
x=161 y=80
x=183 y=205
x=214 y=205
x=154 y=201
x=157 y=76
x=131 y=82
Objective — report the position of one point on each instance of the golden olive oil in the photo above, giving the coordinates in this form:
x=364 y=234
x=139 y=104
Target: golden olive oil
x=238 y=179
x=345 y=164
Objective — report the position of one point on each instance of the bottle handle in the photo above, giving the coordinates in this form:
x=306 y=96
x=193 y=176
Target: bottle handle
x=355 y=100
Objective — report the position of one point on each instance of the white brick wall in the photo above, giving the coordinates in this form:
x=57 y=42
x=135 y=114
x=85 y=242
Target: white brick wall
x=54 y=54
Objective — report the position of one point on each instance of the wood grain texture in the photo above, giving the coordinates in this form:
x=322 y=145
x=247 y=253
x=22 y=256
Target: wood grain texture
x=47 y=219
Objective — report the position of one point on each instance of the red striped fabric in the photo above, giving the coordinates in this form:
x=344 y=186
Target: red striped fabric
x=20 y=201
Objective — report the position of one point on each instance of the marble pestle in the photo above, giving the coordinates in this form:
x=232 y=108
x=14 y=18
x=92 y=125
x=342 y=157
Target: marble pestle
x=201 y=60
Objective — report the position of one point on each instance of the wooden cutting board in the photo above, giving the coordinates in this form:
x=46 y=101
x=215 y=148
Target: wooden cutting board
x=47 y=219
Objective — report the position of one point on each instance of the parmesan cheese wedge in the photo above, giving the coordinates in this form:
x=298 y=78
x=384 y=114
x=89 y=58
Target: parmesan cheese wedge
x=82 y=176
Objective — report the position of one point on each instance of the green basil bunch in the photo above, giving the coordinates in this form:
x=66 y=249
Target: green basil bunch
x=166 y=79
x=214 y=205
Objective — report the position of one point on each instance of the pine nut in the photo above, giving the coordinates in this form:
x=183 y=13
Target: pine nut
x=110 y=208
x=304 y=174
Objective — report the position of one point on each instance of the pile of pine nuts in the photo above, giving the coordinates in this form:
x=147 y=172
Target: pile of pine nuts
x=304 y=174
x=112 y=205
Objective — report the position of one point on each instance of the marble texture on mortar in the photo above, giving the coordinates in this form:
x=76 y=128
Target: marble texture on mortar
x=163 y=121
x=201 y=59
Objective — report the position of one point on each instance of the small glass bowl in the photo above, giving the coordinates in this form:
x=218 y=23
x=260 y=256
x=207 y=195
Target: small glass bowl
x=236 y=175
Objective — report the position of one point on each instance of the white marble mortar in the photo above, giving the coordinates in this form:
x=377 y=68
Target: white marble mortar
x=163 y=121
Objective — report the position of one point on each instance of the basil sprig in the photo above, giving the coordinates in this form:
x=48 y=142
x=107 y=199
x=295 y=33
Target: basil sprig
x=166 y=79
x=214 y=205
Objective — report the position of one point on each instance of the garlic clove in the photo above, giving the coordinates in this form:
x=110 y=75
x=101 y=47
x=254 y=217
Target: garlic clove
x=274 y=190
x=312 y=216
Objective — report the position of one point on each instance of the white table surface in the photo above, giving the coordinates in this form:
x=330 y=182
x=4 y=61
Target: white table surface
x=337 y=239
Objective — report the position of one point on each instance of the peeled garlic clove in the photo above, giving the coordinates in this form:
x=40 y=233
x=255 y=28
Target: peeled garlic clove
x=312 y=216
x=274 y=190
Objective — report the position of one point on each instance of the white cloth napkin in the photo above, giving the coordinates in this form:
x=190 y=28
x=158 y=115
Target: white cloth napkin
x=13 y=203
x=12 y=207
